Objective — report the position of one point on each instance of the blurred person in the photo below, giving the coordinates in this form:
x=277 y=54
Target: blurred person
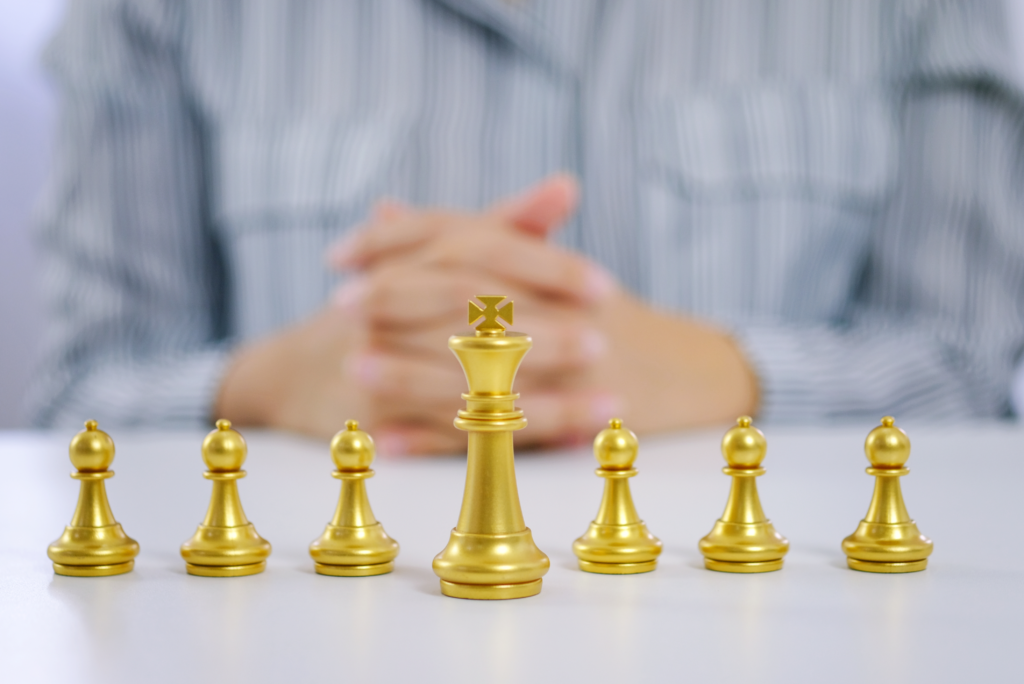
x=275 y=212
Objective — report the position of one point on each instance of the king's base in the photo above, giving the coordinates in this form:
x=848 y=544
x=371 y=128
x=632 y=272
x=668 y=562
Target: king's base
x=226 y=570
x=490 y=592
x=733 y=566
x=354 y=570
x=875 y=566
x=618 y=568
x=93 y=570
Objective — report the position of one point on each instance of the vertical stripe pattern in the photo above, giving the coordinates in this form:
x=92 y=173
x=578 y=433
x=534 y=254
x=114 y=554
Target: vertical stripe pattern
x=837 y=182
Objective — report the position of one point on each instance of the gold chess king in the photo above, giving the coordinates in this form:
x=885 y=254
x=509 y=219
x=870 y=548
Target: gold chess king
x=491 y=553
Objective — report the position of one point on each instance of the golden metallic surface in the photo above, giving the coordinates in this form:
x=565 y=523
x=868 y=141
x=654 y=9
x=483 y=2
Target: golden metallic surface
x=354 y=570
x=887 y=539
x=226 y=570
x=892 y=568
x=491 y=553
x=618 y=568
x=352 y=449
x=93 y=570
x=93 y=544
x=490 y=313
x=353 y=544
x=743 y=540
x=733 y=566
x=490 y=592
x=225 y=544
x=617 y=541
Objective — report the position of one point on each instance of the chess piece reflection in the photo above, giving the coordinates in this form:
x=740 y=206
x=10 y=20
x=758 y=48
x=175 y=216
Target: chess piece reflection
x=743 y=539
x=93 y=545
x=491 y=553
x=617 y=542
x=354 y=544
x=226 y=544
x=887 y=539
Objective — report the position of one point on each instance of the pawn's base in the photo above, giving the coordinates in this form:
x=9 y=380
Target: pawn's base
x=490 y=592
x=733 y=566
x=226 y=570
x=618 y=568
x=93 y=570
x=875 y=566
x=354 y=570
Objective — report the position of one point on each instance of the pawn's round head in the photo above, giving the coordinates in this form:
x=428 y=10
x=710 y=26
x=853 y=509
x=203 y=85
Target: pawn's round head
x=224 y=449
x=91 y=450
x=887 y=446
x=352 y=449
x=744 y=445
x=615 y=447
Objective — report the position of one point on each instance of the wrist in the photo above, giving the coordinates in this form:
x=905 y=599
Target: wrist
x=246 y=394
x=674 y=371
x=745 y=398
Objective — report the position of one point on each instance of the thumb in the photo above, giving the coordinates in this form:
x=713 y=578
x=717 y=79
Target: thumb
x=543 y=208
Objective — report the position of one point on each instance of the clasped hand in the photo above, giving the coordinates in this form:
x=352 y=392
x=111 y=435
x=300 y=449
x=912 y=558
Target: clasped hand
x=378 y=352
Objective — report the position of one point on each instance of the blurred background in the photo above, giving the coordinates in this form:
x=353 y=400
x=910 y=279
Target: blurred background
x=27 y=115
x=27 y=110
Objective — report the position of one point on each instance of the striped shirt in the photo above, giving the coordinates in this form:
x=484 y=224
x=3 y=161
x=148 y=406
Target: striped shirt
x=838 y=183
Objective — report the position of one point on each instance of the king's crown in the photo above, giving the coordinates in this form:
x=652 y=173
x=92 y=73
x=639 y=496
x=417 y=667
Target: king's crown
x=490 y=313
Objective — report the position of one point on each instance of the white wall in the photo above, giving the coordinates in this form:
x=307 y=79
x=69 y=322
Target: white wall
x=26 y=120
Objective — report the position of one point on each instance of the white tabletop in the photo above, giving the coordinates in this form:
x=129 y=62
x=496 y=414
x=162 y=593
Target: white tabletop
x=960 y=620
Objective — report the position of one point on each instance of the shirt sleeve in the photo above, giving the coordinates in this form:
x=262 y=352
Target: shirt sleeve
x=937 y=322
x=131 y=272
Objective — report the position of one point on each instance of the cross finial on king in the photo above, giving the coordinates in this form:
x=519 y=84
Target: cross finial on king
x=490 y=313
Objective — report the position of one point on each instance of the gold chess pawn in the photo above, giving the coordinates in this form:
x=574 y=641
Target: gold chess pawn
x=226 y=544
x=887 y=539
x=491 y=553
x=93 y=545
x=743 y=539
x=617 y=542
x=354 y=544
